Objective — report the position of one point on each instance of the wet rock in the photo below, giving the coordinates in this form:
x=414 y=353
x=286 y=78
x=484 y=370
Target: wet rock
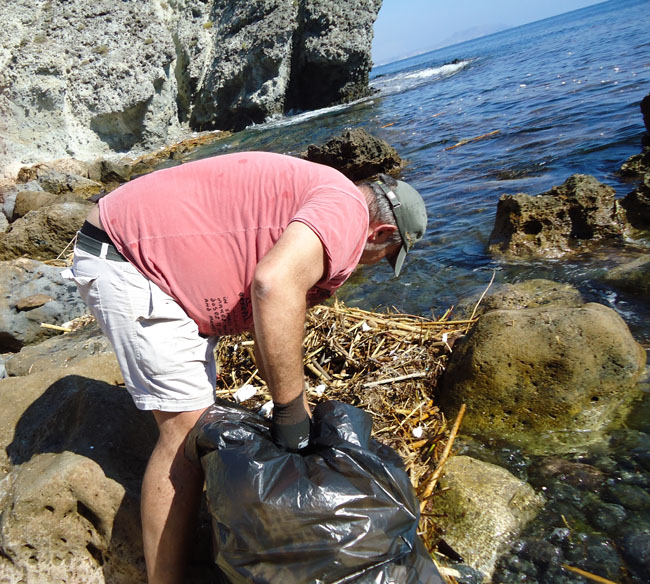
x=357 y=154
x=633 y=277
x=596 y=554
x=606 y=517
x=24 y=278
x=547 y=379
x=635 y=547
x=637 y=204
x=563 y=220
x=629 y=496
x=577 y=474
x=481 y=508
x=541 y=553
x=44 y=233
x=638 y=165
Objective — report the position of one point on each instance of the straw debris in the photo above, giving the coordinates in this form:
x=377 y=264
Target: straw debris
x=385 y=363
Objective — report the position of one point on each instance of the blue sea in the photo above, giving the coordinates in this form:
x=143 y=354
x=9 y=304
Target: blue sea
x=558 y=97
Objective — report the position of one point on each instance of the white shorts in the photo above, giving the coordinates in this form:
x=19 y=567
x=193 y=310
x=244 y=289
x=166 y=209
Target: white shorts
x=166 y=364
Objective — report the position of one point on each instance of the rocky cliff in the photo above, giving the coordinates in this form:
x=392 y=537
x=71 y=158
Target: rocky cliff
x=91 y=77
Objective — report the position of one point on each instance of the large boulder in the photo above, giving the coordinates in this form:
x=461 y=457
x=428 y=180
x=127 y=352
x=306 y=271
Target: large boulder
x=32 y=293
x=58 y=519
x=481 y=508
x=549 y=379
x=563 y=220
x=45 y=233
x=73 y=450
x=92 y=77
x=332 y=53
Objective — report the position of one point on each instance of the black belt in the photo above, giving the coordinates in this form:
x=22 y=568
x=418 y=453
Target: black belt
x=96 y=242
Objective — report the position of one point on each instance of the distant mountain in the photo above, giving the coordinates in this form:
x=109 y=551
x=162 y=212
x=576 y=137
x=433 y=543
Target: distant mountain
x=472 y=33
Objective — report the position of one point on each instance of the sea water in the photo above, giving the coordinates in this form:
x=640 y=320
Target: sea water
x=553 y=98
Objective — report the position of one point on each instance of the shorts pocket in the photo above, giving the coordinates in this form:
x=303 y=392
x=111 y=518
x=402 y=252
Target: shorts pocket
x=87 y=286
x=166 y=337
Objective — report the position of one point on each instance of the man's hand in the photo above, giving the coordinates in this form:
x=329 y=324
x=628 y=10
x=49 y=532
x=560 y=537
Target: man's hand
x=279 y=289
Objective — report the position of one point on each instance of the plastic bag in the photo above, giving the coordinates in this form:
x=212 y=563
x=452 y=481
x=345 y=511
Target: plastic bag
x=344 y=511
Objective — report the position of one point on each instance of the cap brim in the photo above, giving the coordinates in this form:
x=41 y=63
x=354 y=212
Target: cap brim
x=397 y=260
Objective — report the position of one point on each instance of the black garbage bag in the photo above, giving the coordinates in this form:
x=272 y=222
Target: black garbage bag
x=344 y=511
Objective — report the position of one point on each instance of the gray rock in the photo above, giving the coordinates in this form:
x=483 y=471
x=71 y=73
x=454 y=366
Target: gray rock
x=23 y=278
x=563 y=220
x=92 y=77
x=59 y=352
x=332 y=53
x=481 y=508
x=84 y=76
x=550 y=379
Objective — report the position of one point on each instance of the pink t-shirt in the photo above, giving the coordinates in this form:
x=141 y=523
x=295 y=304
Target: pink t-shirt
x=198 y=230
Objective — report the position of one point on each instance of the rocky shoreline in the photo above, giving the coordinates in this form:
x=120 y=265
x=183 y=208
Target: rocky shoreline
x=545 y=371
x=76 y=447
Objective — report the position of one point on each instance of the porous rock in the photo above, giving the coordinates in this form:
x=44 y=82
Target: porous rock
x=550 y=379
x=73 y=450
x=58 y=519
x=23 y=278
x=532 y=293
x=357 y=154
x=481 y=508
x=563 y=220
x=637 y=203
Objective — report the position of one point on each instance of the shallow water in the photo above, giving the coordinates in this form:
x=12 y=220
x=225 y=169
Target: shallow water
x=564 y=96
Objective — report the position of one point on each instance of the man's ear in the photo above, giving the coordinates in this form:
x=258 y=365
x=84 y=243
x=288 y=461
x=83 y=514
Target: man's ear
x=381 y=233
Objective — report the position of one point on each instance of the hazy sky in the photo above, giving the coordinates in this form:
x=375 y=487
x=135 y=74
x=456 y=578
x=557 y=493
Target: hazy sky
x=407 y=27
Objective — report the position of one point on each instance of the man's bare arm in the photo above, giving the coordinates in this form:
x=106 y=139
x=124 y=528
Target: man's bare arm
x=282 y=279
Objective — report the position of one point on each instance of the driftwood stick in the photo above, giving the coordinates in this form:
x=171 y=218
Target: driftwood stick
x=56 y=327
x=415 y=375
x=445 y=455
x=482 y=296
x=589 y=575
x=468 y=140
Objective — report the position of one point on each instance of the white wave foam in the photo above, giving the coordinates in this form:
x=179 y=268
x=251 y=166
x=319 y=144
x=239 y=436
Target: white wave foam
x=406 y=80
x=385 y=85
